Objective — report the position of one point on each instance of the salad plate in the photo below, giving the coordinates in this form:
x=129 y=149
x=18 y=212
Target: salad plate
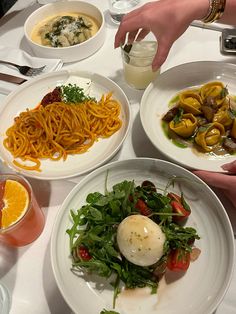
x=199 y=291
x=155 y=104
x=29 y=95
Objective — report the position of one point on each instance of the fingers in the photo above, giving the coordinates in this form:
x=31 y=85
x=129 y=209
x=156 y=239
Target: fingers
x=131 y=37
x=218 y=180
x=231 y=167
x=222 y=181
x=142 y=34
x=231 y=196
x=129 y=26
x=163 y=49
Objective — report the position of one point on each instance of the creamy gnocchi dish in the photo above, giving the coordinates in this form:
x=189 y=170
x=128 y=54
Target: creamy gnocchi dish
x=64 y=30
x=203 y=118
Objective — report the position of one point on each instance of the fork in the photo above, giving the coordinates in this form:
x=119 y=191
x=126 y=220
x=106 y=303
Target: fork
x=25 y=70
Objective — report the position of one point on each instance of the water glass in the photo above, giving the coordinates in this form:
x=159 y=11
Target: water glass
x=118 y=8
x=30 y=223
x=5 y=300
x=137 y=63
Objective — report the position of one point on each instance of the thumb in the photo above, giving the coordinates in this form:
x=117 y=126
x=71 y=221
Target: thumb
x=215 y=179
x=231 y=167
x=163 y=49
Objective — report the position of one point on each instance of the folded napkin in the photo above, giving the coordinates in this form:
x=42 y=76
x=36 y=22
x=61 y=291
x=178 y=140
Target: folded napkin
x=22 y=58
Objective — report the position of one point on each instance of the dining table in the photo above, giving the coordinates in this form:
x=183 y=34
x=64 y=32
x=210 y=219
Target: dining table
x=27 y=272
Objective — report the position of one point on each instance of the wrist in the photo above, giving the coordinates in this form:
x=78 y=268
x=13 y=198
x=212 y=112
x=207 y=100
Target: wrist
x=201 y=9
x=216 y=10
x=195 y=9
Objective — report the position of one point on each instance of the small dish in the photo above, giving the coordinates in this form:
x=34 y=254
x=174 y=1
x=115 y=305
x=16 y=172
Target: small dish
x=71 y=53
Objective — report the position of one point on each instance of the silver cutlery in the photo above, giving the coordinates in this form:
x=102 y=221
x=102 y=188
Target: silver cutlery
x=214 y=27
x=11 y=78
x=25 y=70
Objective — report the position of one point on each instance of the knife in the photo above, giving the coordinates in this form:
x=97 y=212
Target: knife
x=12 y=78
x=213 y=26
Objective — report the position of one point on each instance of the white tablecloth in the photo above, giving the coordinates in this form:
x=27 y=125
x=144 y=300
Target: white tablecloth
x=27 y=272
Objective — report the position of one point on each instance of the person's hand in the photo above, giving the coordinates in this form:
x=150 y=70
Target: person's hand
x=166 y=19
x=225 y=182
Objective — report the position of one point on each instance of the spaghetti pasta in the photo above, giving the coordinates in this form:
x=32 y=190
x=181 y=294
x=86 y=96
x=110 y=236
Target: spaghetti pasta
x=59 y=129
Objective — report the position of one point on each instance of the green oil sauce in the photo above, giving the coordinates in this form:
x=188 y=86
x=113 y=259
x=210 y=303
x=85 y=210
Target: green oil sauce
x=181 y=145
x=175 y=141
x=173 y=100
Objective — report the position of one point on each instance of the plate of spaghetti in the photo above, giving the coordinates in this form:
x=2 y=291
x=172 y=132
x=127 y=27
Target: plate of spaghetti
x=63 y=124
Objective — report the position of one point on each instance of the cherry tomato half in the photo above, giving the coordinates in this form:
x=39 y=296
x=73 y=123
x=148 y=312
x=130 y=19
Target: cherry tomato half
x=178 y=260
x=84 y=253
x=174 y=197
x=178 y=208
x=142 y=208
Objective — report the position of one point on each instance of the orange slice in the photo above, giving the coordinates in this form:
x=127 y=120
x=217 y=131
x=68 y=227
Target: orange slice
x=16 y=201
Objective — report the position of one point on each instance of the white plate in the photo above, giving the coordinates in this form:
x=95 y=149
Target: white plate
x=203 y=286
x=30 y=94
x=155 y=100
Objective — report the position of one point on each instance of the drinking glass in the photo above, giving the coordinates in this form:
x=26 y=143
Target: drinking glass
x=5 y=300
x=118 y=8
x=137 y=63
x=28 y=227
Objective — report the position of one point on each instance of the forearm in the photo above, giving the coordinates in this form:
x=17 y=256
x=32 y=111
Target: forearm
x=198 y=9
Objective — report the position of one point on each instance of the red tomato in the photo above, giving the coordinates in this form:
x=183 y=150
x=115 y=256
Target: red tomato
x=84 y=253
x=174 y=197
x=131 y=199
x=143 y=208
x=179 y=209
x=178 y=260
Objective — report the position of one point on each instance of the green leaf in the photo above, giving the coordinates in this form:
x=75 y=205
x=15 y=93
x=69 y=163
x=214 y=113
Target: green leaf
x=224 y=92
x=96 y=214
x=96 y=266
x=93 y=197
x=184 y=203
x=178 y=117
x=104 y=311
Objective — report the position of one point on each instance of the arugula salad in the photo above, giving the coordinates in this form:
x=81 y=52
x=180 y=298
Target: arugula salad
x=97 y=236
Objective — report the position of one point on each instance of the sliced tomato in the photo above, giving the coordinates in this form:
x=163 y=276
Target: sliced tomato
x=142 y=208
x=174 y=197
x=178 y=260
x=178 y=208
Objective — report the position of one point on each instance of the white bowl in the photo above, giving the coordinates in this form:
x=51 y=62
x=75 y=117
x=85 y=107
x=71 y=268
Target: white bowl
x=203 y=286
x=72 y=53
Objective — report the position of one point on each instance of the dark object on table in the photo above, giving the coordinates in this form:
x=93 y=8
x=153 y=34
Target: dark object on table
x=5 y=5
x=228 y=42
